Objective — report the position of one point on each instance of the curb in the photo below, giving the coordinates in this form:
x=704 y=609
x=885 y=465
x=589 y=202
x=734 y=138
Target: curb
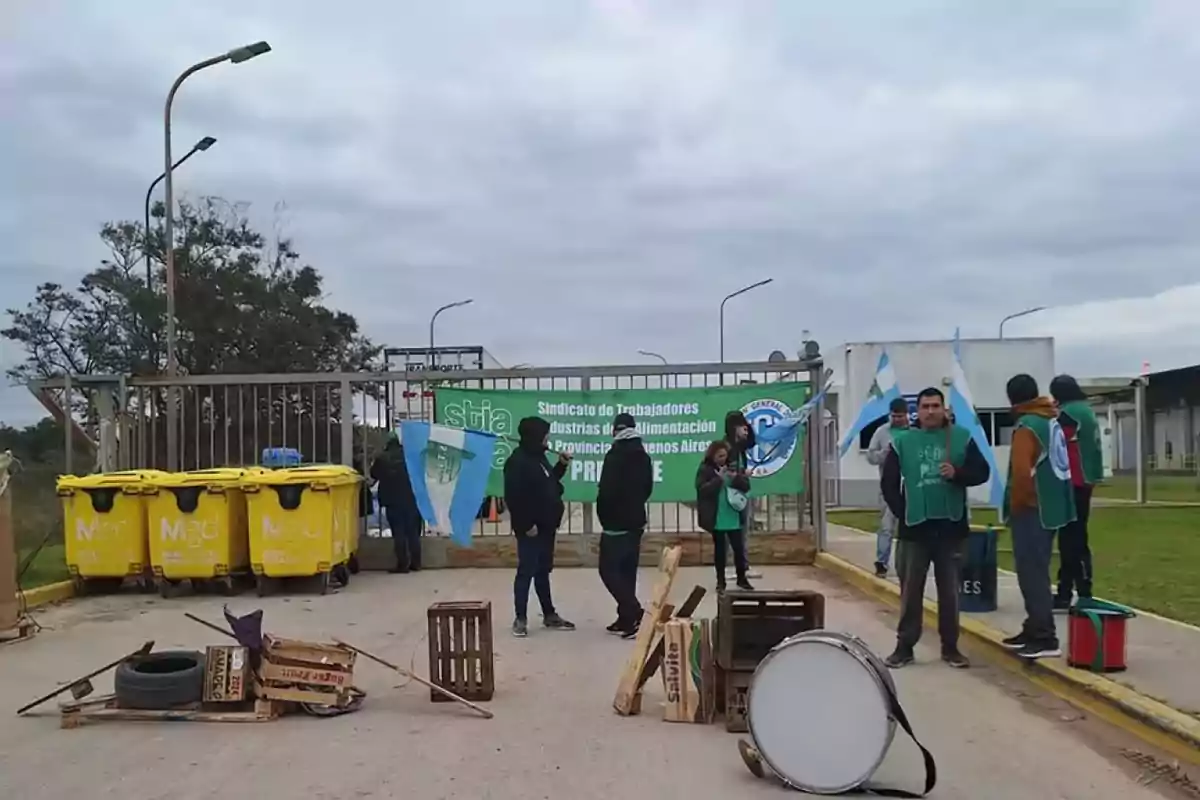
x=44 y=595
x=1151 y=720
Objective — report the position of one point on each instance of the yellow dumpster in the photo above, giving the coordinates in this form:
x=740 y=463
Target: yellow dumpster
x=197 y=527
x=104 y=528
x=303 y=523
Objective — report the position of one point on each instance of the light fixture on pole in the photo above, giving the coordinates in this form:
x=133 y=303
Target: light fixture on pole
x=1024 y=313
x=235 y=56
x=198 y=147
x=433 y=319
x=662 y=358
x=729 y=297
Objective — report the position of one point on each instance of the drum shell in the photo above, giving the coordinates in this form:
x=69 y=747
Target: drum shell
x=880 y=675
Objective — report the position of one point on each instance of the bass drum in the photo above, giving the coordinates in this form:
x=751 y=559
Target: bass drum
x=819 y=711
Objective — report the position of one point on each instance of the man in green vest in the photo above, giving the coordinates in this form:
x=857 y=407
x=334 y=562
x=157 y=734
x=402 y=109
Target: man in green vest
x=1085 y=452
x=1038 y=502
x=924 y=483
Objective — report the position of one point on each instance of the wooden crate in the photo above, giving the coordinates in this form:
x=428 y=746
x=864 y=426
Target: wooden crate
x=737 y=694
x=460 y=649
x=749 y=624
x=305 y=672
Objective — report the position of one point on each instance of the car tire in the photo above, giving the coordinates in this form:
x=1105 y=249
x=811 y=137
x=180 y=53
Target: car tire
x=162 y=680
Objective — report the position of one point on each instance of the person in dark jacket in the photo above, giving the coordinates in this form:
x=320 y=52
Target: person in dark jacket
x=626 y=481
x=533 y=492
x=739 y=435
x=1086 y=455
x=399 y=504
x=924 y=483
x=716 y=512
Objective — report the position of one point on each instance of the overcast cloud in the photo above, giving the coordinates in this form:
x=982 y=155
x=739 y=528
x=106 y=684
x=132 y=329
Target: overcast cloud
x=598 y=174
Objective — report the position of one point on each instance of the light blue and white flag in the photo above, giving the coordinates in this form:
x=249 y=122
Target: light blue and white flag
x=448 y=469
x=884 y=390
x=781 y=434
x=963 y=409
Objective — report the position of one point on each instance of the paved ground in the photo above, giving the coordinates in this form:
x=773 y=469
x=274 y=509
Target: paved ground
x=1162 y=653
x=554 y=735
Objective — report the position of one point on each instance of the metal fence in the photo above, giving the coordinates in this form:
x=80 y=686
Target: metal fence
x=227 y=420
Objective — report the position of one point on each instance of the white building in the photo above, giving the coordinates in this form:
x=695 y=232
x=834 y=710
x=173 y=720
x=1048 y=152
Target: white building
x=987 y=363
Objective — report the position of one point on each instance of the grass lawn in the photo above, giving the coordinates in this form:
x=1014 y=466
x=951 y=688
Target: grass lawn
x=50 y=566
x=1167 y=488
x=1143 y=556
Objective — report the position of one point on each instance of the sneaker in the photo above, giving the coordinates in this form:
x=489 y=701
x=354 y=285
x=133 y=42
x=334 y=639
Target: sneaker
x=1015 y=642
x=556 y=623
x=1032 y=650
x=631 y=631
x=955 y=659
x=720 y=587
x=520 y=628
x=881 y=570
x=1062 y=605
x=900 y=657
x=617 y=627
x=744 y=584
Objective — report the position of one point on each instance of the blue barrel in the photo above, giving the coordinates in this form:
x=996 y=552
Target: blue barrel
x=977 y=590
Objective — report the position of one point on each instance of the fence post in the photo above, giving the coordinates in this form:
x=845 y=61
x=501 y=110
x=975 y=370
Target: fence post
x=816 y=449
x=69 y=453
x=346 y=397
x=589 y=526
x=1140 y=420
x=107 y=428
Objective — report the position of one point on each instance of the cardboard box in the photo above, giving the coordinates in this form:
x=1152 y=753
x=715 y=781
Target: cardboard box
x=687 y=669
x=226 y=673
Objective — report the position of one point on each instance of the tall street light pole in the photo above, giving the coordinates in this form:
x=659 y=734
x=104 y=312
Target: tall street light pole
x=1024 y=313
x=198 y=147
x=235 y=56
x=729 y=297
x=433 y=320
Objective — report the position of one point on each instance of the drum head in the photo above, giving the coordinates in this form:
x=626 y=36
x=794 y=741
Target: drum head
x=818 y=716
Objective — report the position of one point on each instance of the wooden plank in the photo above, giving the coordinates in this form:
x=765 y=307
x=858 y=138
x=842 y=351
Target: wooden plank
x=627 y=688
x=278 y=648
x=308 y=675
x=301 y=696
x=656 y=654
x=471 y=657
x=73 y=719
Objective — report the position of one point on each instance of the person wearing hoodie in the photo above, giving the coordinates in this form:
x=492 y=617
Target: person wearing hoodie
x=925 y=480
x=716 y=512
x=626 y=481
x=1038 y=502
x=399 y=504
x=1086 y=454
x=533 y=492
x=877 y=452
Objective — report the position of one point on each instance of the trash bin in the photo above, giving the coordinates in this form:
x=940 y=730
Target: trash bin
x=303 y=522
x=104 y=528
x=197 y=527
x=977 y=591
x=1096 y=635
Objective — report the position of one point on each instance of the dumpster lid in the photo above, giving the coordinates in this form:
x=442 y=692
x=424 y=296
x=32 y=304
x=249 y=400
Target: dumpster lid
x=219 y=476
x=290 y=476
x=108 y=480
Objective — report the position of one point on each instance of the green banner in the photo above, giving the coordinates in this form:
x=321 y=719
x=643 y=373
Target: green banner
x=677 y=426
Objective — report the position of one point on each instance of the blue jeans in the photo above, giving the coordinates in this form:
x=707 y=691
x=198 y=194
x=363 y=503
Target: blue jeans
x=883 y=537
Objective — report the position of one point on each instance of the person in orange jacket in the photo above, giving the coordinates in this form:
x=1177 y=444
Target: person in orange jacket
x=1039 y=501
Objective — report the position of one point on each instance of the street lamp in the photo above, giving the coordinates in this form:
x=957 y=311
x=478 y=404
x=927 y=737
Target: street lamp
x=198 y=147
x=433 y=319
x=1024 y=313
x=235 y=56
x=660 y=357
x=729 y=297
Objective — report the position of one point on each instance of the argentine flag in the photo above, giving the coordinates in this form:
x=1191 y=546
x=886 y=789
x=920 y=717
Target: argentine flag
x=883 y=391
x=448 y=469
x=965 y=416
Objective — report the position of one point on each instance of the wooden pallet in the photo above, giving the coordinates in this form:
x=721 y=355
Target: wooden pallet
x=105 y=708
x=461 y=657
x=629 y=688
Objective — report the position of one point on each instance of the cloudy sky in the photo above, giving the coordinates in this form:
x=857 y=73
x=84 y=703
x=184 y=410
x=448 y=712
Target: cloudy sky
x=597 y=174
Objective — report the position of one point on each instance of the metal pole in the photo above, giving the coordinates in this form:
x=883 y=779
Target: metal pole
x=816 y=449
x=237 y=56
x=1024 y=313
x=1139 y=414
x=665 y=378
x=729 y=297
x=433 y=319
x=203 y=144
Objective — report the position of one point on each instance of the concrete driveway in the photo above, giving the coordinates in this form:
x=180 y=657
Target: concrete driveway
x=554 y=734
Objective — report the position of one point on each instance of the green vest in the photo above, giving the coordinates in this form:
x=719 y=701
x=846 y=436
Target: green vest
x=1055 y=495
x=1088 y=436
x=927 y=495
